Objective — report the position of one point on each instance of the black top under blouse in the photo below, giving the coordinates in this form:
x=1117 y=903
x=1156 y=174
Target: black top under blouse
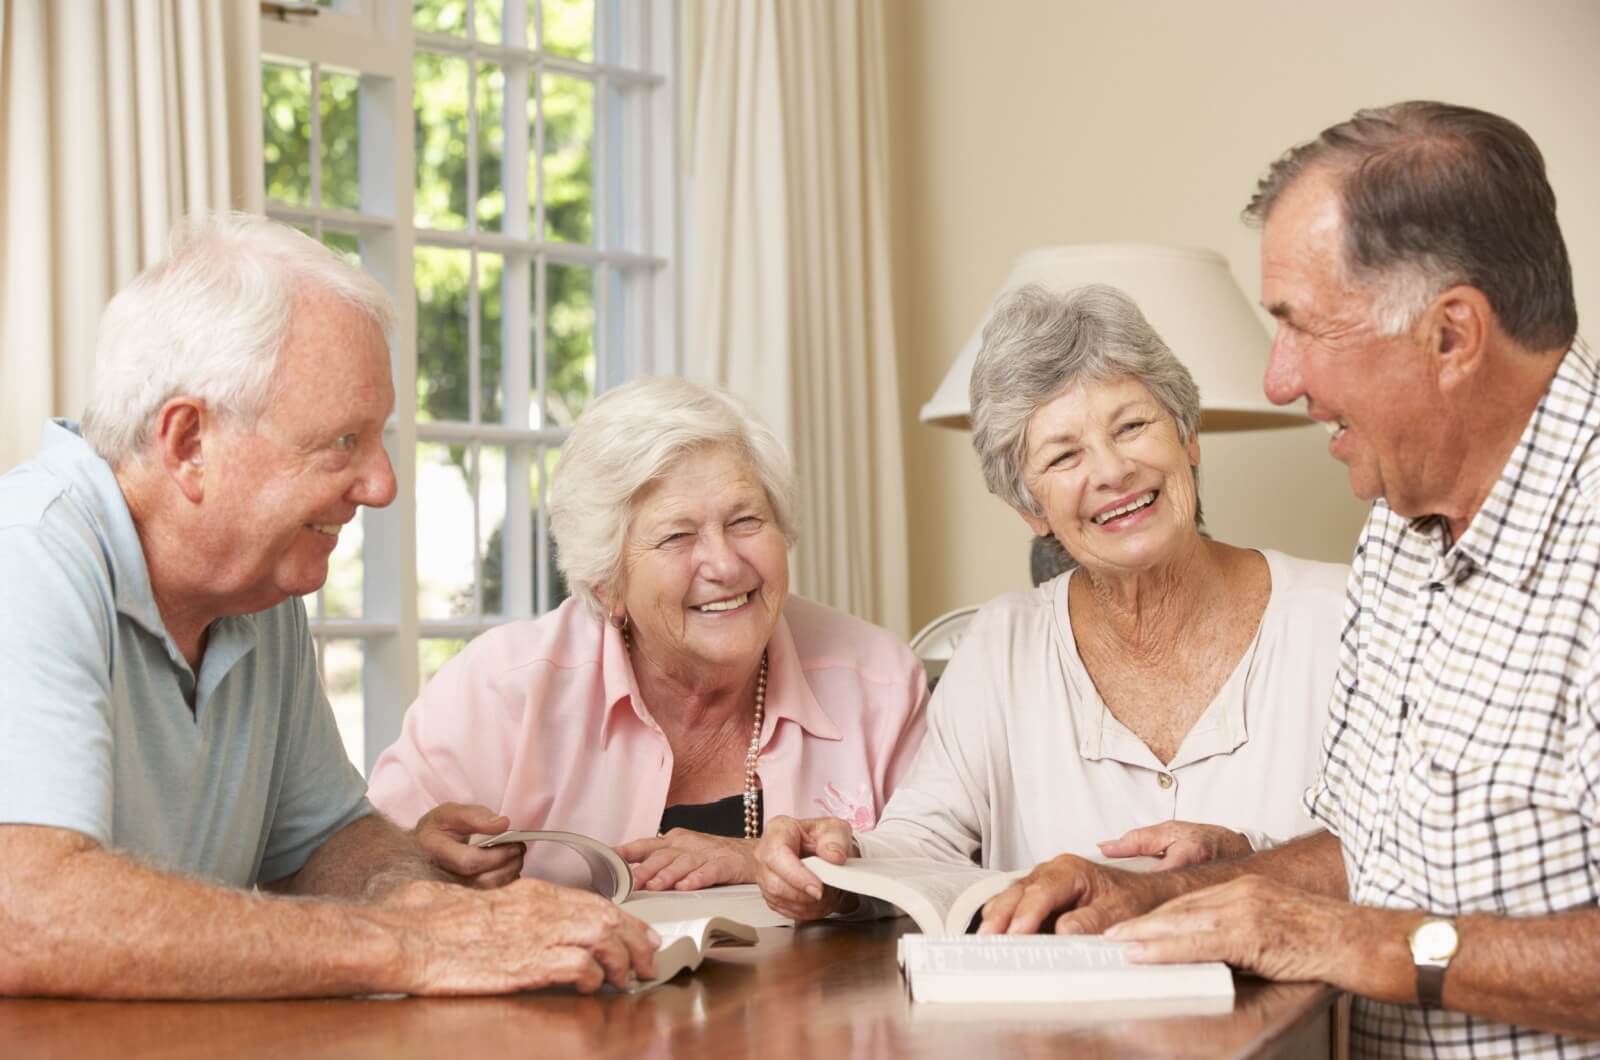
x=723 y=817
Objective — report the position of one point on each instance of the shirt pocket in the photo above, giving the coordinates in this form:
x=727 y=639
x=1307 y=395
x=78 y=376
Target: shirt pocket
x=1478 y=833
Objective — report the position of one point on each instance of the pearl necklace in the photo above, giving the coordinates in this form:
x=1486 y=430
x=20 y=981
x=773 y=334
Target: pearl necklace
x=752 y=823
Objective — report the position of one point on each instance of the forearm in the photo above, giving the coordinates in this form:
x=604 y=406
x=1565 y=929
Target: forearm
x=1541 y=972
x=88 y=923
x=368 y=857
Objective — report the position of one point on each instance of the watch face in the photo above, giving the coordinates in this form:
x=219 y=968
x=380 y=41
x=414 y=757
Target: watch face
x=1434 y=940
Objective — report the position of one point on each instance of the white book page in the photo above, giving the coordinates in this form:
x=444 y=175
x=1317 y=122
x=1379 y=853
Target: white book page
x=1033 y=968
x=741 y=902
x=924 y=889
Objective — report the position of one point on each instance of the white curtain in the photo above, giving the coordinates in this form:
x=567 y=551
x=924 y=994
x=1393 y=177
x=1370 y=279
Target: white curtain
x=114 y=122
x=788 y=286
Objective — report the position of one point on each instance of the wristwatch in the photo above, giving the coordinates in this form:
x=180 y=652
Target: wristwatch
x=1433 y=943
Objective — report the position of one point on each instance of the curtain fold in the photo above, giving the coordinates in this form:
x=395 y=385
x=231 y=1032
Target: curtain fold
x=788 y=292
x=114 y=123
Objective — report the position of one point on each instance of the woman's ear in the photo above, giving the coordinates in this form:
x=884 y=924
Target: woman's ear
x=1192 y=446
x=1036 y=523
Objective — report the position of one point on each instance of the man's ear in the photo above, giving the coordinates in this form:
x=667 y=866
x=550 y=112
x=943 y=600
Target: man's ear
x=1459 y=323
x=180 y=432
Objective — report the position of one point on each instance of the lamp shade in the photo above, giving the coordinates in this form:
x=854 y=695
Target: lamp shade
x=1189 y=297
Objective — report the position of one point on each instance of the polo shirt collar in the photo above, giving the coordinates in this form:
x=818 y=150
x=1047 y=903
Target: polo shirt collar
x=1507 y=534
x=789 y=695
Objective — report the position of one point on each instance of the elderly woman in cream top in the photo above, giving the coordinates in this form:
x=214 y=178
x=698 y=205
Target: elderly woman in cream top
x=1165 y=698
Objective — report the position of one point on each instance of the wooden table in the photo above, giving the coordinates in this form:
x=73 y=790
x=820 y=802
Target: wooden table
x=824 y=990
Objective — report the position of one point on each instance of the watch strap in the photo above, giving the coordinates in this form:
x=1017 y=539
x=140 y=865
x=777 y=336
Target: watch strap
x=1430 y=985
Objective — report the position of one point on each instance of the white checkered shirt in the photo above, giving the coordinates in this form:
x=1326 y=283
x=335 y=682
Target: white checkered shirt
x=1462 y=770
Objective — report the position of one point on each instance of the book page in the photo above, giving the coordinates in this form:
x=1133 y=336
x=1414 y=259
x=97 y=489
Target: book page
x=926 y=890
x=1026 y=968
x=609 y=876
x=741 y=902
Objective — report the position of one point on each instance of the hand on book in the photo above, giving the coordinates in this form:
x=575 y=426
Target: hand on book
x=1257 y=925
x=525 y=935
x=788 y=886
x=1176 y=843
x=444 y=831
x=687 y=861
x=1083 y=897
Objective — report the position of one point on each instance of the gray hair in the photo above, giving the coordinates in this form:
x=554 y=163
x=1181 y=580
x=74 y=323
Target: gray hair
x=1038 y=343
x=627 y=439
x=1433 y=195
x=209 y=321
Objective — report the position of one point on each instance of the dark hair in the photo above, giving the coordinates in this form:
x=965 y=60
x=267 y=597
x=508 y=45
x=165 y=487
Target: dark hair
x=1455 y=194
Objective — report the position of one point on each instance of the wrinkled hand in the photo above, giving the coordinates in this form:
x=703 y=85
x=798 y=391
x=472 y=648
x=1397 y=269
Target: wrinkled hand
x=788 y=886
x=1176 y=843
x=687 y=861
x=443 y=833
x=1084 y=898
x=525 y=935
x=1253 y=923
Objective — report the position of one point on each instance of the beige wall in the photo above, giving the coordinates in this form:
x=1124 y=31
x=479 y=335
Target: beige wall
x=1025 y=123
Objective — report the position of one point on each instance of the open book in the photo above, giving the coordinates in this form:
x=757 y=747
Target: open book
x=610 y=878
x=1031 y=969
x=684 y=944
x=941 y=897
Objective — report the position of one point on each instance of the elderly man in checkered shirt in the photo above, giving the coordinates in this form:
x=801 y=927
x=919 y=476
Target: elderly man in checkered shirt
x=1425 y=312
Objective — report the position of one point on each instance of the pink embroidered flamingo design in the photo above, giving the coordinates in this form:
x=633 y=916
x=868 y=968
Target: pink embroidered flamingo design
x=856 y=810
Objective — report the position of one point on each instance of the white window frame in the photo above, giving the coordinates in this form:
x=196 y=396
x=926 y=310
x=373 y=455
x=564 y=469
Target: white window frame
x=375 y=39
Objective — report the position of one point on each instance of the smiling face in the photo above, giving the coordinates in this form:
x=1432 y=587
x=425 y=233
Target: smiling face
x=277 y=494
x=1374 y=392
x=1104 y=461
x=706 y=570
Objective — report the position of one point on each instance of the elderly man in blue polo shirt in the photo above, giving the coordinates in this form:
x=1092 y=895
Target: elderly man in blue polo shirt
x=165 y=746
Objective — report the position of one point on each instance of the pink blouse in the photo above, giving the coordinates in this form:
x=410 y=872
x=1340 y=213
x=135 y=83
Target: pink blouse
x=542 y=720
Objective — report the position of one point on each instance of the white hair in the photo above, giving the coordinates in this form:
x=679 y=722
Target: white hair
x=208 y=321
x=627 y=439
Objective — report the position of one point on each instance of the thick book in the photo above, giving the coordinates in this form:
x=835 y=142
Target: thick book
x=1053 y=969
x=940 y=897
x=684 y=944
x=610 y=878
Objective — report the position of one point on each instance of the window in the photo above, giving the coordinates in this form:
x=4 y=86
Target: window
x=505 y=169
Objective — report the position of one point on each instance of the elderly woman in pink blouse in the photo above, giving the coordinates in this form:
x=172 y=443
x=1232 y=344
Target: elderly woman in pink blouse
x=682 y=694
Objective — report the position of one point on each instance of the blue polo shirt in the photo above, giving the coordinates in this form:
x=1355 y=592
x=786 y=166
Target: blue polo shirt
x=96 y=731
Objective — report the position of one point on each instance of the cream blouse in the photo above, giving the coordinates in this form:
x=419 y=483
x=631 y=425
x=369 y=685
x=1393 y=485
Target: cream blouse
x=1023 y=761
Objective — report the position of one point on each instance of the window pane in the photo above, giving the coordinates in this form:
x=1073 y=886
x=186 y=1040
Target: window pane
x=491 y=525
x=434 y=652
x=341 y=593
x=346 y=243
x=439 y=16
x=446 y=552
x=341 y=147
x=568 y=165
x=491 y=339
x=569 y=343
x=569 y=28
x=486 y=19
x=544 y=465
x=286 y=131
x=439 y=96
x=442 y=344
x=491 y=146
x=339 y=660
